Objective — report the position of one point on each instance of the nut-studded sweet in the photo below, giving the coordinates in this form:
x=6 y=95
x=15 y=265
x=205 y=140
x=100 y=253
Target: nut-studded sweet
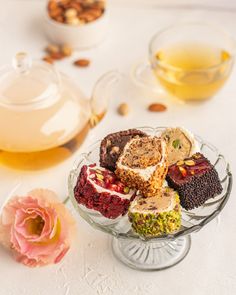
x=155 y=216
x=113 y=144
x=143 y=164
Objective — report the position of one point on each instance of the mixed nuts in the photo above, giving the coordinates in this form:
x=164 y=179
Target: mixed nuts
x=75 y=12
x=57 y=52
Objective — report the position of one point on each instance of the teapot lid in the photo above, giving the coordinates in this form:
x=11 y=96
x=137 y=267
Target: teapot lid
x=26 y=82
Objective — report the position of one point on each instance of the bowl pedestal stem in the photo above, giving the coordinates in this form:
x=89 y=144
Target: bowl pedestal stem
x=151 y=255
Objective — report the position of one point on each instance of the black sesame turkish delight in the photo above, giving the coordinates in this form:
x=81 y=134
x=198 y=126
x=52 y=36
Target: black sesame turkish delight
x=195 y=179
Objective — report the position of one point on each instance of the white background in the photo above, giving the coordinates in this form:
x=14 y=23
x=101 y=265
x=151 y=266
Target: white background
x=90 y=268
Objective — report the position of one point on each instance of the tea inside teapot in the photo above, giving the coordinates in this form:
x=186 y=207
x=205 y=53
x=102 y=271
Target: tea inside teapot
x=46 y=114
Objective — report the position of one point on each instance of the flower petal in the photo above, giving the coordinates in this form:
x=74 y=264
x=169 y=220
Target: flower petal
x=37 y=227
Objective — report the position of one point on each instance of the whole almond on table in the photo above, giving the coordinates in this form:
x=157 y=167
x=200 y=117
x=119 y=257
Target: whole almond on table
x=57 y=55
x=66 y=50
x=123 y=109
x=82 y=62
x=52 y=48
x=48 y=59
x=157 y=107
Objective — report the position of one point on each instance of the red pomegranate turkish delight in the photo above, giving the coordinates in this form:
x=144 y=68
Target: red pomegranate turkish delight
x=99 y=189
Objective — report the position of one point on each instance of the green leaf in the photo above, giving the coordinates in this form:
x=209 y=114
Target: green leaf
x=176 y=143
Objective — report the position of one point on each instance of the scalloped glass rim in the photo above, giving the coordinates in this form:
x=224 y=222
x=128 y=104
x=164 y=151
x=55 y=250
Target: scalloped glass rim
x=88 y=215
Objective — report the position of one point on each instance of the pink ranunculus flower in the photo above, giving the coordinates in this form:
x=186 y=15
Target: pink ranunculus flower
x=37 y=227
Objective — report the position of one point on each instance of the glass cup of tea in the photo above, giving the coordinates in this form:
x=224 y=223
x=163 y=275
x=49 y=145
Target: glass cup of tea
x=191 y=61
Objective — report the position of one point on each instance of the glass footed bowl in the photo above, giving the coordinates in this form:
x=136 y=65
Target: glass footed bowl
x=154 y=253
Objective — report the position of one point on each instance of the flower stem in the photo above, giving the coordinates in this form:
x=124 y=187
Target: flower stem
x=66 y=200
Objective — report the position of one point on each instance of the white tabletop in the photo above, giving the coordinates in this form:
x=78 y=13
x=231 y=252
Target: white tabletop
x=90 y=268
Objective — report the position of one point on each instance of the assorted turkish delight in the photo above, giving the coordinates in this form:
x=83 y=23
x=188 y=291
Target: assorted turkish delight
x=131 y=178
x=180 y=143
x=143 y=164
x=156 y=215
x=113 y=145
x=195 y=179
x=99 y=189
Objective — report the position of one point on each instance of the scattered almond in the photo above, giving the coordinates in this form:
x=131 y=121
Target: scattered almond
x=52 y=48
x=66 y=50
x=48 y=59
x=56 y=52
x=82 y=63
x=57 y=55
x=123 y=109
x=157 y=107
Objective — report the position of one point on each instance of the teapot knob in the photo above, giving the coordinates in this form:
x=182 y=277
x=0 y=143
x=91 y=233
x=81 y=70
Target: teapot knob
x=22 y=62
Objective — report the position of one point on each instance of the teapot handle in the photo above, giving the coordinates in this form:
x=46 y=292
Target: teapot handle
x=100 y=95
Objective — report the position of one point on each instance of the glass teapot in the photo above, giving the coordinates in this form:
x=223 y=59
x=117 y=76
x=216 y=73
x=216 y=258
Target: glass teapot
x=44 y=116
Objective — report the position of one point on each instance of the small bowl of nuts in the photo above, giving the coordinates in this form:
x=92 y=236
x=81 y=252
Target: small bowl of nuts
x=79 y=23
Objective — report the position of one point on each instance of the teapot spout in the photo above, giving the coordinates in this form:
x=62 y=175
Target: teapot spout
x=101 y=95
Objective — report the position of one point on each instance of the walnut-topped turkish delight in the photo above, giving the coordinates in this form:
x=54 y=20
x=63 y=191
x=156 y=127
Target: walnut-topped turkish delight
x=143 y=164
